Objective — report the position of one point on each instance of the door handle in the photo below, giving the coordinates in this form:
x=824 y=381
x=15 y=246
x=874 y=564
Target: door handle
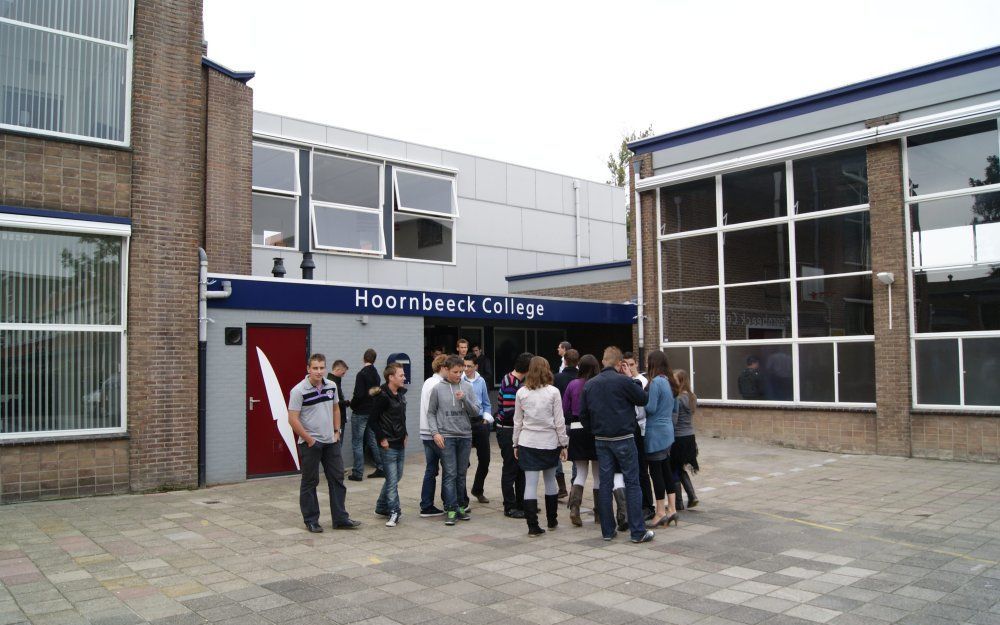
x=251 y=401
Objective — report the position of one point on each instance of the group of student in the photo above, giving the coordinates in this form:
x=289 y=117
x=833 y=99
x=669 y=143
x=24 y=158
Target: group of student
x=607 y=418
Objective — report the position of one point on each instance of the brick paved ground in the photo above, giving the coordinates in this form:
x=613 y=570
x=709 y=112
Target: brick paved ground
x=782 y=536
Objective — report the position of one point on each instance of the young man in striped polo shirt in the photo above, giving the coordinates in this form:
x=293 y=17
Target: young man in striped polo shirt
x=315 y=418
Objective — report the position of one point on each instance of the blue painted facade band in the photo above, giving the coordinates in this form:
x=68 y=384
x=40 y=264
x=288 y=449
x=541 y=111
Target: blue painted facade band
x=249 y=294
x=52 y=214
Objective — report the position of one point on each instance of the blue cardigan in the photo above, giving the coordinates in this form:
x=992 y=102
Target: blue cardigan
x=659 y=416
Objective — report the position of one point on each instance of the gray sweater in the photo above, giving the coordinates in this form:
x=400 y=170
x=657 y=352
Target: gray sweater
x=682 y=418
x=450 y=417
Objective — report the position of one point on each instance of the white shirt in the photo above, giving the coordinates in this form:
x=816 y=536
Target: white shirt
x=425 y=399
x=640 y=412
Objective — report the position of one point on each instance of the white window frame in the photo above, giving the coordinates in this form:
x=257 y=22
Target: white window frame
x=790 y=219
x=129 y=52
x=73 y=226
x=398 y=207
x=912 y=269
x=283 y=193
x=314 y=246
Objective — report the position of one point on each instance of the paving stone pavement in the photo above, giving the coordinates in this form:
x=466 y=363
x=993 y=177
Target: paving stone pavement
x=781 y=537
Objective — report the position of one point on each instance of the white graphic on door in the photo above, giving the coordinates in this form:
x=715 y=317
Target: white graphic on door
x=279 y=411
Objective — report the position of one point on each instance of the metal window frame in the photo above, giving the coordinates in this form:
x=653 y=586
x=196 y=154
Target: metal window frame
x=270 y=190
x=314 y=245
x=73 y=226
x=295 y=234
x=129 y=48
x=453 y=218
x=404 y=209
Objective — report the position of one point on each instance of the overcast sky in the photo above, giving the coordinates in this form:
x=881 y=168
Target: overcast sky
x=555 y=85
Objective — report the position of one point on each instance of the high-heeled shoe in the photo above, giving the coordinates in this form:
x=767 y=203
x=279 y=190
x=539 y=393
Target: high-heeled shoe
x=667 y=520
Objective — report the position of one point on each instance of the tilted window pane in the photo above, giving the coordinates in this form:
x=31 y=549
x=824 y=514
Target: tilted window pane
x=61 y=84
x=59 y=278
x=957 y=300
x=425 y=193
x=952 y=159
x=80 y=388
x=346 y=181
x=690 y=262
x=761 y=311
x=831 y=181
x=691 y=315
x=678 y=358
x=754 y=194
x=838 y=244
x=956 y=231
x=937 y=372
x=274 y=168
x=770 y=380
x=835 y=306
x=756 y=254
x=421 y=238
x=816 y=374
x=688 y=206
x=100 y=19
x=706 y=372
x=856 y=365
x=347 y=229
x=982 y=364
x=274 y=220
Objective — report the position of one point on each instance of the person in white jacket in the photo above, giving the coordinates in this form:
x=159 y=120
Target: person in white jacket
x=432 y=453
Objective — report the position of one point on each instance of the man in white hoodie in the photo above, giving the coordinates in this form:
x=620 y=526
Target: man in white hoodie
x=432 y=453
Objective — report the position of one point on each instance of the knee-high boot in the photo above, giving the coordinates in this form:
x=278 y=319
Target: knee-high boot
x=531 y=516
x=575 y=499
x=689 y=489
x=552 y=511
x=561 y=481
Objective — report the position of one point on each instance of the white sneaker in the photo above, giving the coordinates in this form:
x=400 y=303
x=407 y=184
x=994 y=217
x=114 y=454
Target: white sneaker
x=393 y=520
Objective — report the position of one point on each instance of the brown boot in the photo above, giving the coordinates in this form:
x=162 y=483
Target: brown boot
x=561 y=480
x=575 y=499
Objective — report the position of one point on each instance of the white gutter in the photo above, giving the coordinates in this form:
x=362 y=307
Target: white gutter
x=640 y=302
x=204 y=295
x=867 y=136
x=576 y=209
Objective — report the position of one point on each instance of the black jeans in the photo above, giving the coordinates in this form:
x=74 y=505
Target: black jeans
x=511 y=476
x=663 y=478
x=481 y=443
x=647 y=492
x=327 y=454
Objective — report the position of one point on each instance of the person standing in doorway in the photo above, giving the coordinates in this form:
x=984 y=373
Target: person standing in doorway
x=388 y=422
x=315 y=418
x=561 y=350
x=480 y=428
x=607 y=408
x=450 y=411
x=361 y=405
x=511 y=476
x=337 y=373
x=432 y=453
x=462 y=348
x=485 y=366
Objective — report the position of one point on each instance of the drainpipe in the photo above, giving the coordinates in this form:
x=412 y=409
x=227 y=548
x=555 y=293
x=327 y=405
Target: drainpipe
x=203 y=296
x=576 y=208
x=640 y=302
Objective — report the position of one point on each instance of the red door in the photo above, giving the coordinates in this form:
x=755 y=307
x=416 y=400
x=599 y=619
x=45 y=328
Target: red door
x=276 y=357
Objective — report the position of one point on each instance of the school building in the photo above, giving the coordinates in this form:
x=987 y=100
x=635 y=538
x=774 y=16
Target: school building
x=828 y=269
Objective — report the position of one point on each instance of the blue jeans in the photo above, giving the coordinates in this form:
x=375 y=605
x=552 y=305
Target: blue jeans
x=359 y=429
x=392 y=463
x=620 y=457
x=455 y=460
x=432 y=454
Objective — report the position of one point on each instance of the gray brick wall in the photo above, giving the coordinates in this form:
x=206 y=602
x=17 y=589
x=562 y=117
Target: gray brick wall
x=337 y=336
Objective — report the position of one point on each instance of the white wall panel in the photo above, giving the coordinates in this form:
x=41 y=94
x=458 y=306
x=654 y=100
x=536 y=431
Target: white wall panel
x=568 y=198
x=619 y=238
x=466 y=166
x=600 y=201
x=520 y=186
x=422 y=153
x=547 y=232
x=388 y=147
x=424 y=276
x=387 y=273
x=548 y=262
x=520 y=261
x=307 y=131
x=548 y=192
x=619 y=205
x=266 y=122
x=491 y=270
x=345 y=268
x=485 y=223
x=346 y=139
x=491 y=180
x=602 y=246
x=462 y=277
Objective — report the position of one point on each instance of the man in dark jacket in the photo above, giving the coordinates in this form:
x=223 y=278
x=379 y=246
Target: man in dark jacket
x=336 y=376
x=388 y=422
x=570 y=373
x=607 y=408
x=361 y=406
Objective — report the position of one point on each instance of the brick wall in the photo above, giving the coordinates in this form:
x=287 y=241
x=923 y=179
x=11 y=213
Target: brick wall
x=955 y=437
x=827 y=430
x=168 y=117
x=60 y=470
x=56 y=175
x=617 y=291
x=228 y=171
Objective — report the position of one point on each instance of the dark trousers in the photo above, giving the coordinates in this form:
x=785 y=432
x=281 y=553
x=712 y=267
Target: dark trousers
x=619 y=457
x=511 y=475
x=310 y=458
x=647 y=492
x=663 y=478
x=432 y=456
x=481 y=443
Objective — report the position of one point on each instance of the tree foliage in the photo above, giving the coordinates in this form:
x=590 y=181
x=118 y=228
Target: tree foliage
x=618 y=162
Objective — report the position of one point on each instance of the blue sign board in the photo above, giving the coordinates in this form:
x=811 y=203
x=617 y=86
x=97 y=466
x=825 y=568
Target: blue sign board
x=270 y=294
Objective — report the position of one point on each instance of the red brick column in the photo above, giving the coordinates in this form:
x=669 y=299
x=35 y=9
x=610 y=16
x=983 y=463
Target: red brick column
x=892 y=347
x=651 y=329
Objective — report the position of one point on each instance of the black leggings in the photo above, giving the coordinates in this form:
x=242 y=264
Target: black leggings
x=663 y=478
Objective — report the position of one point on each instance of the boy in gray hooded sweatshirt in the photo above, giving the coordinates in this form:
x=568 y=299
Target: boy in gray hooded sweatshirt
x=450 y=411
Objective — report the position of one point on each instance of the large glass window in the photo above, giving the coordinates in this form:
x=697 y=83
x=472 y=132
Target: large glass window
x=64 y=67
x=426 y=206
x=346 y=201
x=955 y=264
x=795 y=268
x=274 y=217
x=61 y=332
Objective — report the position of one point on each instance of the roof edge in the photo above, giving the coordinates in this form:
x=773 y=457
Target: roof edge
x=243 y=77
x=562 y=272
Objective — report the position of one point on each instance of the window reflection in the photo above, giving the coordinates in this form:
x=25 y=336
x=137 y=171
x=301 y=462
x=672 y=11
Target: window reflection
x=952 y=159
x=691 y=315
x=754 y=194
x=831 y=245
x=761 y=311
x=759 y=372
x=690 y=262
x=956 y=231
x=831 y=181
x=688 y=206
x=835 y=306
x=957 y=300
x=756 y=254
